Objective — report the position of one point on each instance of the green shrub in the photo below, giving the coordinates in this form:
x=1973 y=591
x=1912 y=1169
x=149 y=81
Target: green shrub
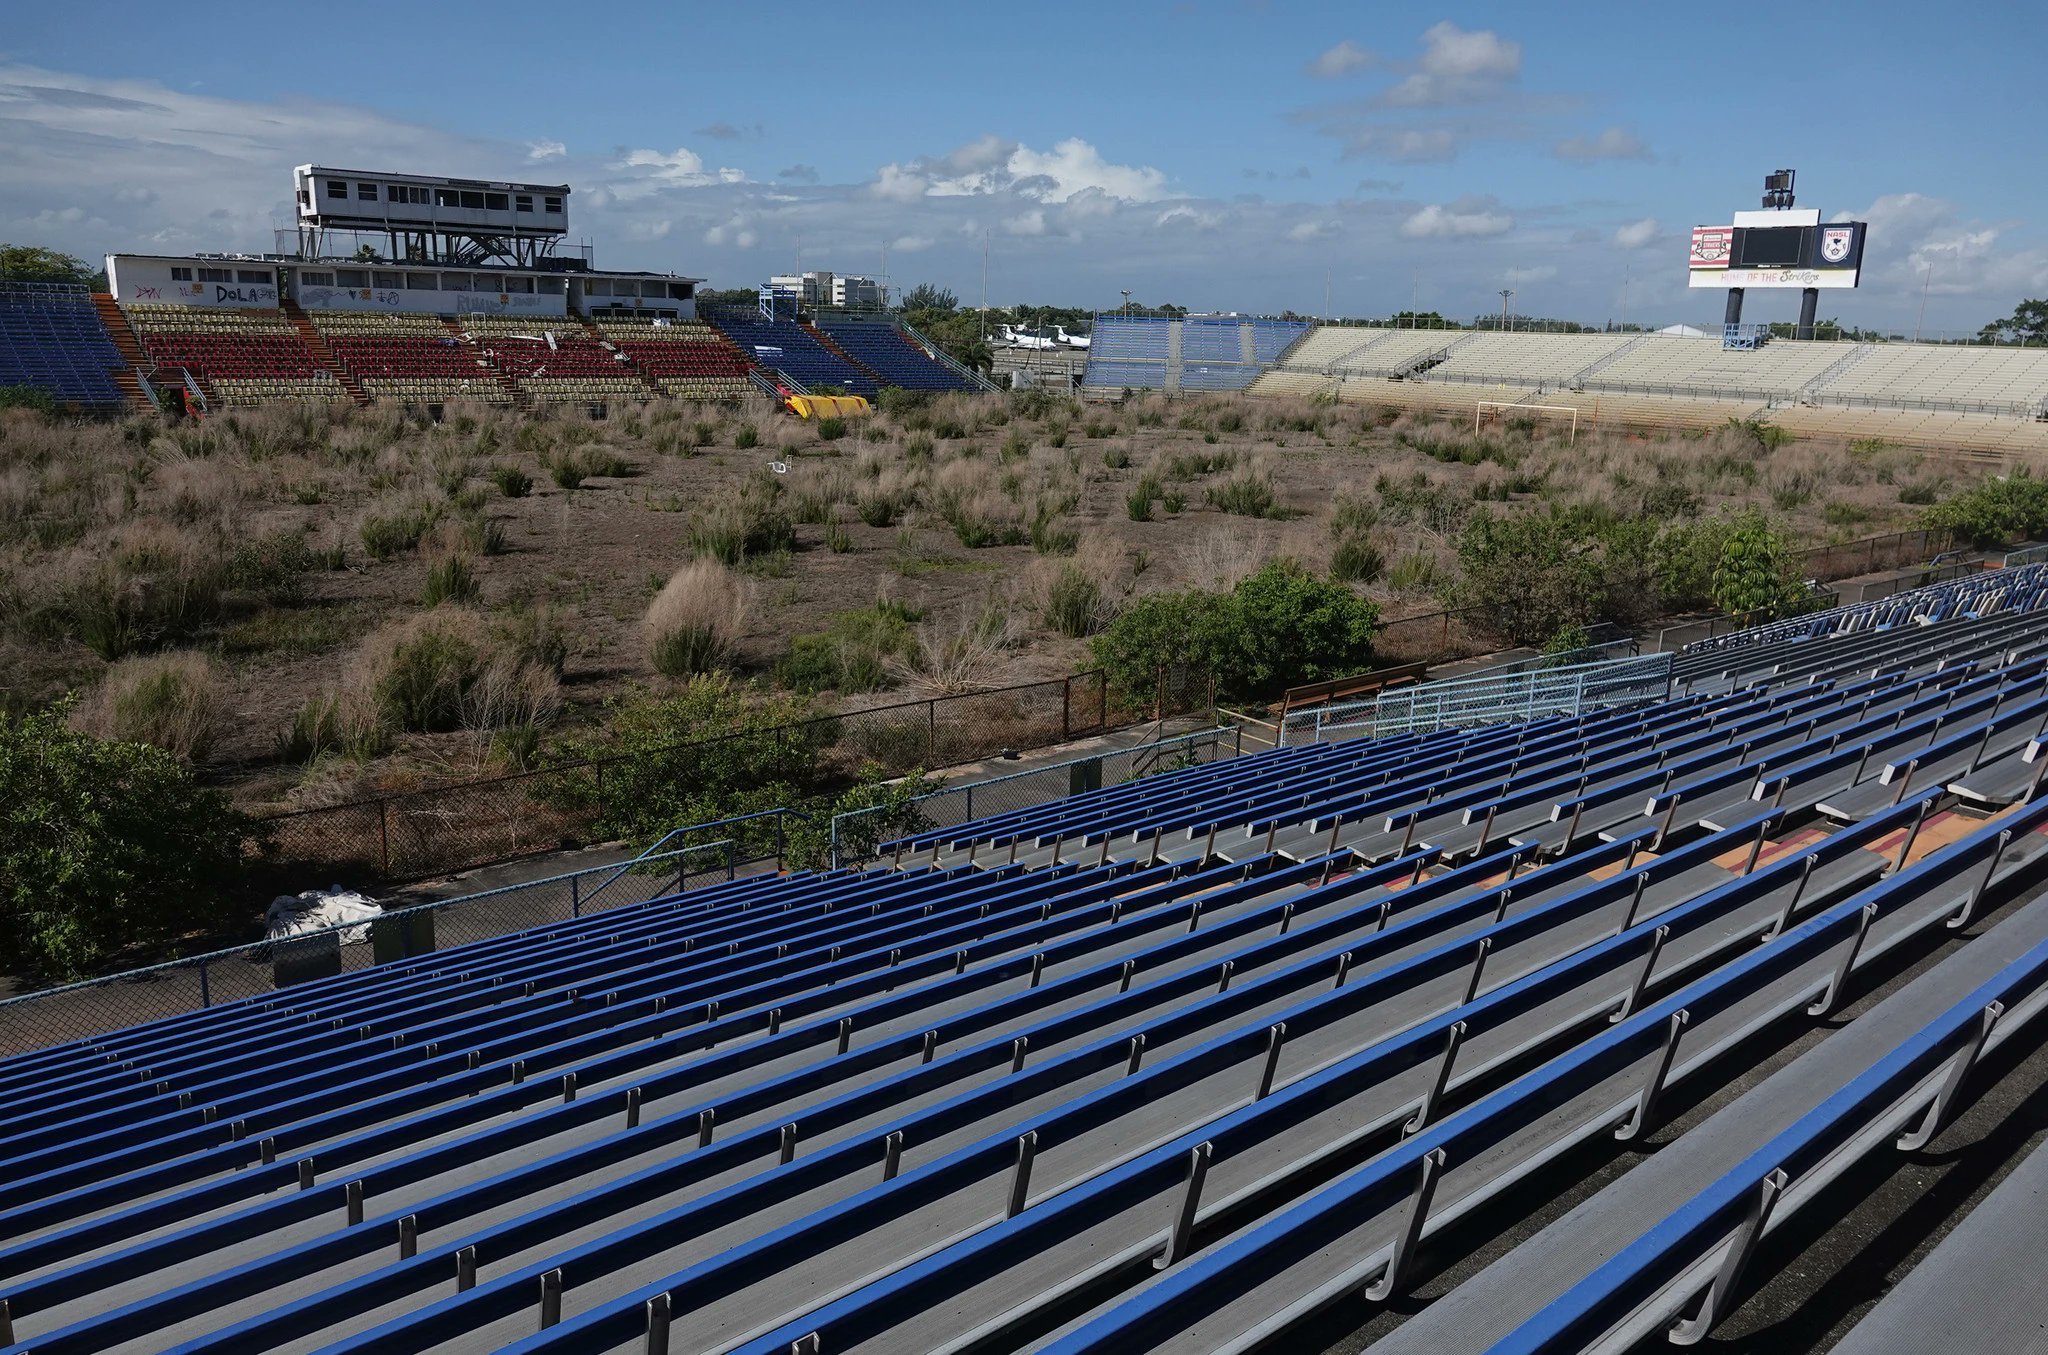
x=1278 y=627
x=696 y=620
x=481 y=535
x=831 y=429
x=1357 y=560
x=393 y=533
x=705 y=751
x=511 y=481
x=170 y=701
x=105 y=846
x=744 y=525
x=420 y=671
x=1053 y=535
x=273 y=567
x=1116 y=458
x=1997 y=512
x=1073 y=601
x=837 y=539
x=1248 y=495
x=746 y=436
x=449 y=579
x=1138 y=502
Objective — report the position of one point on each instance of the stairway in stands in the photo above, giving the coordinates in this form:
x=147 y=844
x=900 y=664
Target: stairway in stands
x=520 y=398
x=309 y=335
x=130 y=349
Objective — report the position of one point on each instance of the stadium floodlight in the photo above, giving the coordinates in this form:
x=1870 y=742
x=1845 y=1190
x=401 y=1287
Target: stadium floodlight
x=1778 y=190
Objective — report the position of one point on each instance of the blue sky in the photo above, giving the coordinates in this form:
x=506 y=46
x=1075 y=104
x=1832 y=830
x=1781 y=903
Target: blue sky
x=1220 y=155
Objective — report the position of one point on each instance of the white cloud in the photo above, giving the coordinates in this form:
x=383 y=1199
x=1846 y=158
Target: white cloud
x=1466 y=219
x=1917 y=241
x=1636 y=234
x=1522 y=277
x=1026 y=223
x=650 y=229
x=1310 y=230
x=992 y=165
x=545 y=150
x=911 y=244
x=1615 y=143
x=1182 y=214
x=1457 y=66
x=1346 y=57
x=680 y=168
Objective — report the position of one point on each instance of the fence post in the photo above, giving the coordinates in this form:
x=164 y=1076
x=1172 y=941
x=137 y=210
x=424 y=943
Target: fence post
x=1066 y=711
x=1101 y=699
x=781 y=840
x=576 y=895
x=383 y=837
x=205 y=990
x=931 y=731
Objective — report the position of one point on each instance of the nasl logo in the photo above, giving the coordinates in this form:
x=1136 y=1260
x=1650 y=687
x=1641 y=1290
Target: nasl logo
x=1835 y=242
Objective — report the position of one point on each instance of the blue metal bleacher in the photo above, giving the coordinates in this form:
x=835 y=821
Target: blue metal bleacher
x=890 y=354
x=51 y=338
x=785 y=345
x=1174 y=1064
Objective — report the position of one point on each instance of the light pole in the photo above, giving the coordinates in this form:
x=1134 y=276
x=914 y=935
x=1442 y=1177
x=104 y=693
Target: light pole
x=1507 y=297
x=1127 y=303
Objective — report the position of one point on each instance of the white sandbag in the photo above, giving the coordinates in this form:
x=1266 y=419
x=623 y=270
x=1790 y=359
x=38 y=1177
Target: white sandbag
x=318 y=909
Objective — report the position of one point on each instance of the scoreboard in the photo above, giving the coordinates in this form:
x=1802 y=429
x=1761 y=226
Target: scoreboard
x=1782 y=247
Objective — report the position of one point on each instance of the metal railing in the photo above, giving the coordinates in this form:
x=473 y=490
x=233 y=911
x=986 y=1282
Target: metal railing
x=1529 y=694
x=855 y=832
x=94 y=1006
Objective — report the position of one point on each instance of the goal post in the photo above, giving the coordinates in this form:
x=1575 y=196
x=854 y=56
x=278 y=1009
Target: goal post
x=1479 y=413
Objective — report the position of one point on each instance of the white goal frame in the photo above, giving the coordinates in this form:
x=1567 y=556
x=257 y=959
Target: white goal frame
x=1479 y=414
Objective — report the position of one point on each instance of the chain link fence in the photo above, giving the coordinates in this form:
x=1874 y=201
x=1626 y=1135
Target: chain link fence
x=79 y=1010
x=418 y=835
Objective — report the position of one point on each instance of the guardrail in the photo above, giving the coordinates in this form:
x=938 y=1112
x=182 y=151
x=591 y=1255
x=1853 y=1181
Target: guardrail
x=855 y=833
x=94 y=1006
x=1524 y=695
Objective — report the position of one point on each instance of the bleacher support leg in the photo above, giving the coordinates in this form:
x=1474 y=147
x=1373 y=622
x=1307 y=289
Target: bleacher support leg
x=1634 y=997
x=1137 y=1056
x=1958 y=1073
x=1825 y=1003
x=1692 y=1330
x=465 y=1270
x=1437 y=1084
x=551 y=1298
x=1912 y=835
x=1182 y=1230
x=657 y=1325
x=408 y=1237
x=1020 y=1180
x=1638 y=1122
x=892 y=1155
x=1417 y=1214
x=1806 y=870
x=1969 y=909
x=1276 y=1038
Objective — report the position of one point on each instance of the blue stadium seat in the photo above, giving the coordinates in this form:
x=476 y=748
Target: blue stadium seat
x=788 y=346
x=890 y=354
x=51 y=338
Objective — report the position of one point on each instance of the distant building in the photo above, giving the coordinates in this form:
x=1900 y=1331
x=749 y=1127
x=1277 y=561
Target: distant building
x=824 y=288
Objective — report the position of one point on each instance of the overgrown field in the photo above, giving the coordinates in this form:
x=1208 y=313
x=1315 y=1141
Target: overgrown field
x=314 y=604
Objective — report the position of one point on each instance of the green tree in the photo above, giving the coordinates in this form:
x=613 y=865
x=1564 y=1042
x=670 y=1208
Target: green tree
x=928 y=296
x=707 y=751
x=106 y=846
x=1280 y=626
x=2028 y=323
x=33 y=263
x=1530 y=574
x=1296 y=628
x=1755 y=571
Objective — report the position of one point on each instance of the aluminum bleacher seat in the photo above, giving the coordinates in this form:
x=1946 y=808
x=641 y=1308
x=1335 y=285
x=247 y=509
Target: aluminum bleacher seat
x=890 y=354
x=1173 y=1064
x=51 y=338
x=785 y=345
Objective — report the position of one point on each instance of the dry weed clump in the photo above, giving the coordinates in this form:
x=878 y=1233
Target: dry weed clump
x=697 y=619
x=962 y=649
x=174 y=701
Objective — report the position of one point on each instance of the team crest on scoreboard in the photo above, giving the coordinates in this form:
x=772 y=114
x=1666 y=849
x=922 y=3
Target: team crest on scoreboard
x=1711 y=246
x=1835 y=242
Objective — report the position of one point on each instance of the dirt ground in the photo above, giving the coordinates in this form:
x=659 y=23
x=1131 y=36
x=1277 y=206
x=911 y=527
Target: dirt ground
x=1045 y=481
